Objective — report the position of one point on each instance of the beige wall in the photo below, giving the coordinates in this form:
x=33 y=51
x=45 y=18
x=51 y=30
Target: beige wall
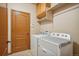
x=67 y=21
x=47 y=26
x=2 y=5
x=29 y=8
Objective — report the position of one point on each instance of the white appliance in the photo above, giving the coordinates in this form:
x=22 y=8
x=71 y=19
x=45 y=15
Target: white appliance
x=57 y=44
x=34 y=43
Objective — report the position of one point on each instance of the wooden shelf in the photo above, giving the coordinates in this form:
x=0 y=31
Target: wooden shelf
x=61 y=6
x=47 y=13
x=44 y=20
x=57 y=8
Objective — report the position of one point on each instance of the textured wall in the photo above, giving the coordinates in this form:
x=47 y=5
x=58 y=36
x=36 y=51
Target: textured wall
x=67 y=21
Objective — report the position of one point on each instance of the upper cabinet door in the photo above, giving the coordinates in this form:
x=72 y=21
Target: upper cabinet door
x=41 y=10
x=38 y=8
x=43 y=7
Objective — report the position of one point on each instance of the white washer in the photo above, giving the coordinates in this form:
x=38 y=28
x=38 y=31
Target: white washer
x=34 y=43
x=57 y=44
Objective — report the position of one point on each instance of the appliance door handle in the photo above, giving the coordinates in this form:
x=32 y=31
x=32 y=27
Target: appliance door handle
x=44 y=50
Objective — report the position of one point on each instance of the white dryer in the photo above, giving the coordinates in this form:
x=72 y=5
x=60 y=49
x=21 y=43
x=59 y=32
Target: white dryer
x=57 y=44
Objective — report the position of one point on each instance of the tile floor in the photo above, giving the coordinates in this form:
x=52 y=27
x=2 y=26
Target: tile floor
x=22 y=53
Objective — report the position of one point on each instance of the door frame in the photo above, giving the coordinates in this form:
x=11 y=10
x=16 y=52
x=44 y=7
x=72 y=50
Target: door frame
x=12 y=27
x=7 y=26
x=6 y=8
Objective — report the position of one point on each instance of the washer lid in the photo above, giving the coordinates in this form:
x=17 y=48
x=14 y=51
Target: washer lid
x=58 y=41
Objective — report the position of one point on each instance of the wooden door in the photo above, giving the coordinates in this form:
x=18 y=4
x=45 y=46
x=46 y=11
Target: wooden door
x=3 y=31
x=20 y=31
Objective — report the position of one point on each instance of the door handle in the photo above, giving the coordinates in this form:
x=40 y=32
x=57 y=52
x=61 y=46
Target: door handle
x=8 y=42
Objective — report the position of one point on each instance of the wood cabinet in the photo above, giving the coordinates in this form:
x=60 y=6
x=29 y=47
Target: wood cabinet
x=41 y=9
